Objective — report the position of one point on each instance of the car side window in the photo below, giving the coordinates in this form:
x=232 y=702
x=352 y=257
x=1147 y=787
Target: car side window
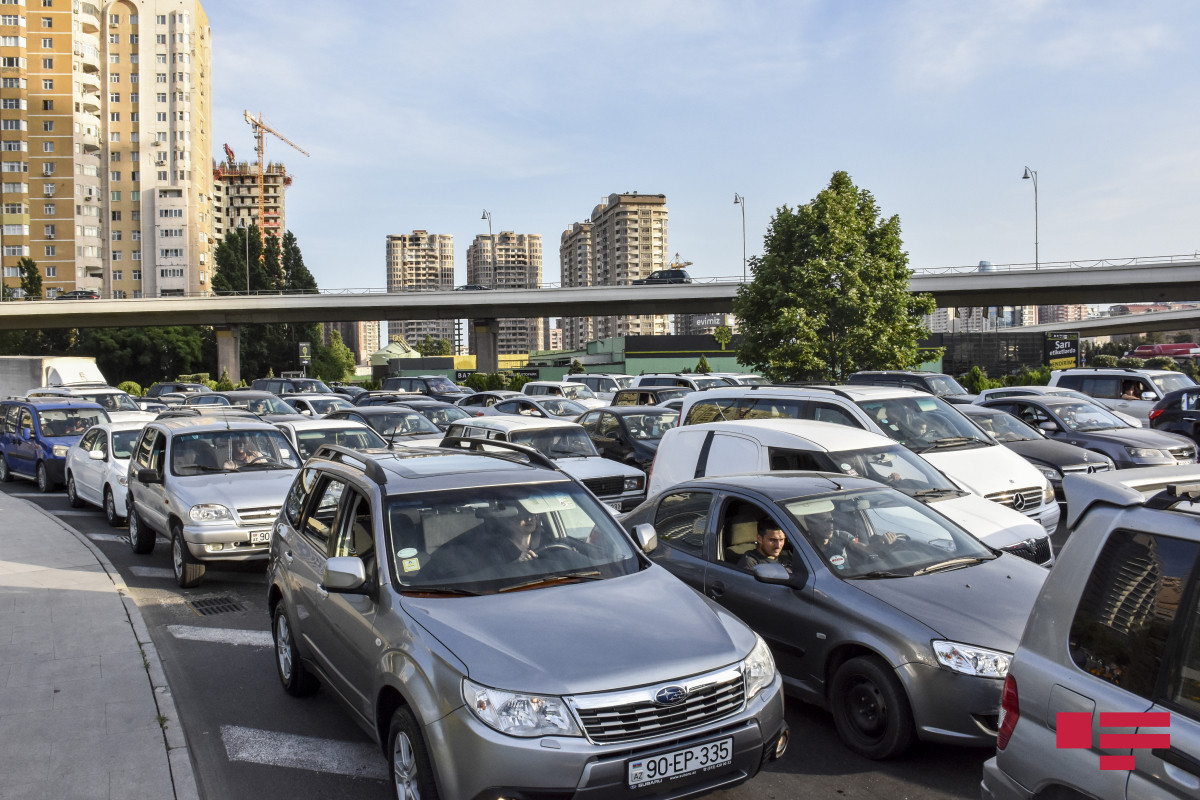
x=681 y=519
x=1103 y=387
x=1189 y=401
x=589 y=421
x=610 y=426
x=322 y=511
x=1126 y=613
x=711 y=411
x=293 y=506
x=826 y=412
x=157 y=450
x=11 y=415
x=356 y=529
x=768 y=408
x=794 y=460
x=26 y=423
x=1183 y=691
x=141 y=455
x=88 y=442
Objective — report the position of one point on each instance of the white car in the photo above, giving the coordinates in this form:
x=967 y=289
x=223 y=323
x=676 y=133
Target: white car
x=306 y=435
x=97 y=467
x=602 y=384
x=572 y=391
x=316 y=405
x=716 y=449
x=119 y=405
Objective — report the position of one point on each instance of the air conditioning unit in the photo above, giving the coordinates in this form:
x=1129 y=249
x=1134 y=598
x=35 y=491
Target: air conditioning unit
x=156 y=143
x=49 y=235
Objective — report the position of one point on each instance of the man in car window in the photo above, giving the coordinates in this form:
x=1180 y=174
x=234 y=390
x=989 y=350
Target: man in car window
x=771 y=541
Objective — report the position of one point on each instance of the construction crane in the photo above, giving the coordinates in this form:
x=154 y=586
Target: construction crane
x=261 y=128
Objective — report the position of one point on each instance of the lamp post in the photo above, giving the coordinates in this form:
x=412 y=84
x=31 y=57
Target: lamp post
x=246 y=232
x=738 y=200
x=1031 y=174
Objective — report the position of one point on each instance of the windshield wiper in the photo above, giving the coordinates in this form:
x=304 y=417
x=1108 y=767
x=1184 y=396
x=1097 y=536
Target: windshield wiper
x=879 y=573
x=953 y=563
x=935 y=493
x=591 y=575
x=436 y=590
x=951 y=441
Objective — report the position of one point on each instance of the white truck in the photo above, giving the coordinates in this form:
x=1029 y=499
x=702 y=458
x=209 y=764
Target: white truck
x=20 y=374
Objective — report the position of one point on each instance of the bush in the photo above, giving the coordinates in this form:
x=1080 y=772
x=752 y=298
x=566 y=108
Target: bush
x=576 y=367
x=1129 y=362
x=225 y=384
x=1161 y=362
x=1188 y=367
x=702 y=367
x=515 y=382
x=477 y=381
x=977 y=380
x=1103 y=360
x=1039 y=376
x=130 y=388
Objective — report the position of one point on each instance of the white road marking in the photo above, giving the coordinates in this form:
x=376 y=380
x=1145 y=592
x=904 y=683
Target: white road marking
x=358 y=760
x=197 y=633
x=153 y=572
x=77 y=512
x=108 y=537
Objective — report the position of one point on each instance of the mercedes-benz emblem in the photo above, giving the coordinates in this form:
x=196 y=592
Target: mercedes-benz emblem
x=1018 y=501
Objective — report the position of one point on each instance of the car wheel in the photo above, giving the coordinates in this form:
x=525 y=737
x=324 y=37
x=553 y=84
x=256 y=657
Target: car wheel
x=72 y=495
x=188 y=571
x=44 y=484
x=110 y=508
x=870 y=710
x=141 y=538
x=297 y=681
x=5 y=472
x=412 y=773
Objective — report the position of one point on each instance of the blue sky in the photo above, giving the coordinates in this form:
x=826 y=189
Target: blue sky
x=419 y=115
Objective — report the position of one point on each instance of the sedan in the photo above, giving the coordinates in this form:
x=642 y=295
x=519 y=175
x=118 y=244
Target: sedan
x=1054 y=391
x=436 y=411
x=306 y=435
x=97 y=466
x=1178 y=412
x=547 y=406
x=629 y=434
x=1091 y=426
x=474 y=402
x=266 y=405
x=875 y=606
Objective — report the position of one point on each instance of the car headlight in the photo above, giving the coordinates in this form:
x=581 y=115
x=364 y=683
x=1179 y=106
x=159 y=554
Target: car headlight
x=758 y=670
x=633 y=484
x=60 y=450
x=1048 y=472
x=1047 y=492
x=210 y=512
x=518 y=714
x=971 y=660
x=1144 y=452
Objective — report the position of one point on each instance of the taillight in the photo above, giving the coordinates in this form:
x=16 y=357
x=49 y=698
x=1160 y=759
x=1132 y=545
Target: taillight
x=1155 y=413
x=1010 y=712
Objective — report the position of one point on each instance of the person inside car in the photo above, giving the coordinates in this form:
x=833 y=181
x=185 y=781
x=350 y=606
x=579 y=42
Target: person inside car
x=1129 y=391
x=504 y=537
x=241 y=453
x=770 y=547
x=836 y=544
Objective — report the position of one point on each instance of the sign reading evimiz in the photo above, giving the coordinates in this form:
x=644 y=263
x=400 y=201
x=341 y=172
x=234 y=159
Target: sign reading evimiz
x=1062 y=349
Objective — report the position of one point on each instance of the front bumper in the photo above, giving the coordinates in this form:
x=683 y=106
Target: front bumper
x=952 y=707
x=475 y=762
x=229 y=542
x=1047 y=516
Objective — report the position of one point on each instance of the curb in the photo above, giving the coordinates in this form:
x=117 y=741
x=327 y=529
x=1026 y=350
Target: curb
x=183 y=777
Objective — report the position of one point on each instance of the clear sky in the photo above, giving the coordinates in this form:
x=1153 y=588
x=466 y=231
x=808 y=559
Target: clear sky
x=419 y=115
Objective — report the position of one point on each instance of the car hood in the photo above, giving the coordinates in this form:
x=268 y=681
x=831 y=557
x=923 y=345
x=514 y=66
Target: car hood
x=132 y=416
x=1056 y=454
x=985 y=605
x=986 y=470
x=596 y=467
x=586 y=637
x=999 y=526
x=254 y=489
x=1134 y=437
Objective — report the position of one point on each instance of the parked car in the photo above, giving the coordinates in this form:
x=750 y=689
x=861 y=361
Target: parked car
x=664 y=276
x=346 y=390
x=900 y=641
x=472 y=287
x=1051 y=458
x=397 y=425
x=1113 y=632
x=119 y=405
x=182 y=387
x=307 y=435
x=1178 y=412
x=618 y=485
x=1087 y=424
x=385 y=398
x=602 y=384
x=547 y=406
x=474 y=402
x=266 y=405
x=629 y=434
x=213 y=484
x=938 y=383
x=291 y=386
x=649 y=395
x=922 y=422
x=771 y=445
x=572 y=391
x=391 y=584
x=742 y=378
x=688 y=380
x=316 y=405
x=436 y=411
x=38 y=432
x=79 y=294
x=1130 y=391
x=439 y=387
x=1056 y=391
x=97 y=468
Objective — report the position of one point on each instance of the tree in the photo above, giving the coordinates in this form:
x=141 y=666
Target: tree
x=334 y=361
x=576 y=367
x=434 y=347
x=702 y=366
x=723 y=335
x=31 y=278
x=146 y=355
x=830 y=294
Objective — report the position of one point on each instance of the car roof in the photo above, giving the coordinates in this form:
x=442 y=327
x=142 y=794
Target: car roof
x=623 y=411
x=411 y=470
x=824 y=435
x=213 y=422
x=514 y=423
x=1119 y=371
x=1048 y=400
x=122 y=425
x=324 y=424
x=55 y=401
x=387 y=408
x=1123 y=487
x=784 y=485
x=544 y=383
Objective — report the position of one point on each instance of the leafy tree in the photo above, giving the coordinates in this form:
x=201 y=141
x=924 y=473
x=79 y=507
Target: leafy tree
x=31 y=278
x=334 y=361
x=225 y=383
x=130 y=388
x=723 y=335
x=576 y=367
x=976 y=380
x=435 y=347
x=1161 y=362
x=1038 y=376
x=516 y=381
x=1188 y=367
x=702 y=366
x=477 y=381
x=497 y=380
x=830 y=294
x=146 y=355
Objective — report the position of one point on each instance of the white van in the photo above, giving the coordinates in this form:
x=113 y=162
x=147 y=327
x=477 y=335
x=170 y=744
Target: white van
x=763 y=445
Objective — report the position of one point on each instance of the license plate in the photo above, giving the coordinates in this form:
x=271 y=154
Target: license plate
x=617 y=506
x=680 y=763
x=260 y=537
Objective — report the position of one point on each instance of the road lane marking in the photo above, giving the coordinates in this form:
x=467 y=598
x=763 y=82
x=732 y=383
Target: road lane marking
x=108 y=537
x=80 y=512
x=153 y=572
x=356 y=759
x=197 y=633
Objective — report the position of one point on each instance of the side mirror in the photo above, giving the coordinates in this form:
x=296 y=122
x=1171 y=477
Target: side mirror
x=96 y=455
x=646 y=537
x=149 y=476
x=345 y=575
x=306 y=412
x=777 y=575
x=1149 y=396
x=1048 y=426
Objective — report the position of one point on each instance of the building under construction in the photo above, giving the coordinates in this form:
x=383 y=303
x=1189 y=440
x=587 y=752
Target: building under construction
x=235 y=184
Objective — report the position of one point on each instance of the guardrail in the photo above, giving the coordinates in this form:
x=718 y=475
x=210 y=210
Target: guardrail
x=1136 y=261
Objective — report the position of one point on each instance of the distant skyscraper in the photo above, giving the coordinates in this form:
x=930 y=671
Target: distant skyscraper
x=516 y=263
x=575 y=258
x=417 y=262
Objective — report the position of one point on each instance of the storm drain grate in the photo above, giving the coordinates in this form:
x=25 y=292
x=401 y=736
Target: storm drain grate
x=208 y=606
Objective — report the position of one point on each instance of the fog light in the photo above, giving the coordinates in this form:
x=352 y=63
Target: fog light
x=781 y=744
x=212 y=548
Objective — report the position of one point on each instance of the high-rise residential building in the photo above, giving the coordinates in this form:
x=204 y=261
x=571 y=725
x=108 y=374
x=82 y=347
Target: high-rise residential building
x=105 y=134
x=420 y=262
x=508 y=260
x=626 y=240
x=236 y=186
x=361 y=337
x=1062 y=313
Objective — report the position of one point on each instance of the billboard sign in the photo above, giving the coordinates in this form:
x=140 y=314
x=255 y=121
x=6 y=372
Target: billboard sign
x=1062 y=349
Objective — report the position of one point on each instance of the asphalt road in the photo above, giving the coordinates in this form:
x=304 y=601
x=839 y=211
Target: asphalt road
x=249 y=739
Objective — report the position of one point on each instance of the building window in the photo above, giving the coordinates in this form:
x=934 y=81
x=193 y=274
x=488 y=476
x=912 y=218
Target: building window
x=133 y=39
x=10 y=19
x=47 y=22
x=116 y=216
x=47 y=105
x=114 y=176
x=48 y=231
x=47 y=63
x=47 y=43
x=12 y=61
x=115 y=116
x=117 y=274
x=114 y=58
x=161 y=38
x=134 y=98
x=51 y=272
x=114 y=78
x=114 y=38
x=135 y=176
x=114 y=156
x=133 y=116
x=48 y=169
x=114 y=97
x=48 y=210
x=136 y=197
x=136 y=236
x=135 y=215
x=133 y=78
x=162 y=116
x=12 y=124
x=114 y=136
x=160 y=19
x=162 y=175
x=47 y=125
x=116 y=236
x=12 y=272
x=161 y=58
x=116 y=255
x=48 y=84
x=161 y=97
x=160 y=77
x=115 y=197
x=51 y=249
x=114 y=19
x=47 y=147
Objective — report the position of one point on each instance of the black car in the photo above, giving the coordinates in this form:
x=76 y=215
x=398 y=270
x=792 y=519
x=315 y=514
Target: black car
x=629 y=434
x=393 y=423
x=472 y=287
x=437 y=412
x=938 y=383
x=346 y=389
x=665 y=276
x=439 y=387
x=1093 y=427
x=1178 y=412
x=383 y=398
x=290 y=385
x=1052 y=459
x=80 y=294
x=648 y=395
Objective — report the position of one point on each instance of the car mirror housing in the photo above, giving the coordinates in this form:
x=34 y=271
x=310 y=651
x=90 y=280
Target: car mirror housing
x=646 y=537
x=777 y=575
x=1048 y=426
x=149 y=476
x=345 y=575
x=96 y=455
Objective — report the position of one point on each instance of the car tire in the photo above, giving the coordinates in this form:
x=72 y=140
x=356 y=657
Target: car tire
x=5 y=472
x=42 y=479
x=73 y=498
x=110 y=509
x=188 y=571
x=295 y=678
x=408 y=760
x=870 y=709
x=141 y=537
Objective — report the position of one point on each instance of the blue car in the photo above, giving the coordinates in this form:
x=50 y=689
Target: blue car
x=35 y=434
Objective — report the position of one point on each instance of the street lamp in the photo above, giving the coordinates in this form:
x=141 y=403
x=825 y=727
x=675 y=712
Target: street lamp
x=1031 y=174
x=738 y=200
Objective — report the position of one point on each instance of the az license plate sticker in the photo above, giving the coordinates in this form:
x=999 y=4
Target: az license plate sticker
x=680 y=763
x=260 y=537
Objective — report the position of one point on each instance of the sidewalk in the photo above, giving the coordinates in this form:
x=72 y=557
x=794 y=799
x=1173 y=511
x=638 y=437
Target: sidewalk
x=85 y=710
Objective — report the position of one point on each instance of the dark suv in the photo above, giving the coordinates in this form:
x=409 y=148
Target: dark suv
x=665 y=276
x=439 y=387
x=938 y=383
x=291 y=385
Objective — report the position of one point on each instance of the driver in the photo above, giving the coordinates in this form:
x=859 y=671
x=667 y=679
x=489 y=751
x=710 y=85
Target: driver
x=835 y=543
x=241 y=453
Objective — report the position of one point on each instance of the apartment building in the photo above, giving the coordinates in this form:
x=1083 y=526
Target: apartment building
x=420 y=262
x=105 y=144
x=508 y=260
x=575 y=259
x=361 y=337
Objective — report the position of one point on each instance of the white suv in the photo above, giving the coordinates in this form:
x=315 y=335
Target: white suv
x=602 y=384
x=572 y=391
x=922 y=422
x=119 y=405
x=1130 y=391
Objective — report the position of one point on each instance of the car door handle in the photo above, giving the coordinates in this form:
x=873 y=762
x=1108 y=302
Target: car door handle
x=321 y=590
x=716 y=590
x=287 y=554
x=1178 y=759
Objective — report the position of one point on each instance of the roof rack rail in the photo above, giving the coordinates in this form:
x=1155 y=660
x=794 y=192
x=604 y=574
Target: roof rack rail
x=476 y=445
x=370 y=466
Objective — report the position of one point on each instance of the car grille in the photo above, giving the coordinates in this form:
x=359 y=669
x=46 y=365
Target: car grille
x=262 y=515
x=1027 y=501
x=1076 y=469
x=1183 y=454
x=1035 y=550
x=602 y=487
x=628 y=716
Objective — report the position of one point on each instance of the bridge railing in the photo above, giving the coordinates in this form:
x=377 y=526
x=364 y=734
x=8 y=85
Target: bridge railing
x=1135 y=261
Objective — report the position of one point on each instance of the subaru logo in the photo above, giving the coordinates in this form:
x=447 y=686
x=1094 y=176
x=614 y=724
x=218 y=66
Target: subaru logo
x=1018 y=501
x=670 y=695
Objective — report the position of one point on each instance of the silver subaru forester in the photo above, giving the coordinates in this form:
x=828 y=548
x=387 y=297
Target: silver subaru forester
x=484 y=618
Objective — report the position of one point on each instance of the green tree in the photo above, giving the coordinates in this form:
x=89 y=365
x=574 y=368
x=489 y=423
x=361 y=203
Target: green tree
x=702 y=366
x=1130 y=362
x=225 y=383
x=435 y=347
x=576 y=367
x=130 y=388
x=146 y=355
x=723 y=335
x=334 y=361
x=516 y=381
x=1161 y=362
x=477 y=381
x=31 y=278
x=830 y=293
x=976 y=380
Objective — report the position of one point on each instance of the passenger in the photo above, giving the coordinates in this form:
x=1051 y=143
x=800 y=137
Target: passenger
x=76 y=425
x=505 y=537
x=771 y=541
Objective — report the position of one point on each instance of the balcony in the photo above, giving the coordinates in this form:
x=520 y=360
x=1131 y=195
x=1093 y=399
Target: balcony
x=88 y=16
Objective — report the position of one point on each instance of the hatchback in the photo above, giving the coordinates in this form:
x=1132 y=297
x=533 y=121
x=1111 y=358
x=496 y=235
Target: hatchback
x=97 y=468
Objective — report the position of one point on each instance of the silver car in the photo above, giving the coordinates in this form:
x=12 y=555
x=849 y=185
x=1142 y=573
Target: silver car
x=485 y=620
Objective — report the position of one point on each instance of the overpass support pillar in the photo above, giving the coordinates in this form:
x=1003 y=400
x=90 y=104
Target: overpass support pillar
x=487 y=345
x=229 y=352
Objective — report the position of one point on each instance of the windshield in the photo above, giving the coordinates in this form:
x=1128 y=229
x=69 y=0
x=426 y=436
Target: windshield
x=868 y=531
x=894 y=465
x=207 y=400
x=401 y=422
x=1082 y=416
x=263 y=405
x=651 y=425
x=497 y=538
x=1172 y=381
x=625 y=382
x=943 y=385
x=442 y=385
x=708 y=383
x=443 y=416
x=69 y=421
x=577 y=391
x=113 y=401
x=924 y=423
x=308 y=441
x=122 y=443
x=311 y=385
x=1005 y=427
x=323 y=405
x=231 y=451
x=557 y=442
x=560 y=407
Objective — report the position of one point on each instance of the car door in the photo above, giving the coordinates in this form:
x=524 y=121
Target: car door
x=156 y=506
x=609 y=438
x=681 y=520
x=22 y=454
x=88 y=472
x=305 y=558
